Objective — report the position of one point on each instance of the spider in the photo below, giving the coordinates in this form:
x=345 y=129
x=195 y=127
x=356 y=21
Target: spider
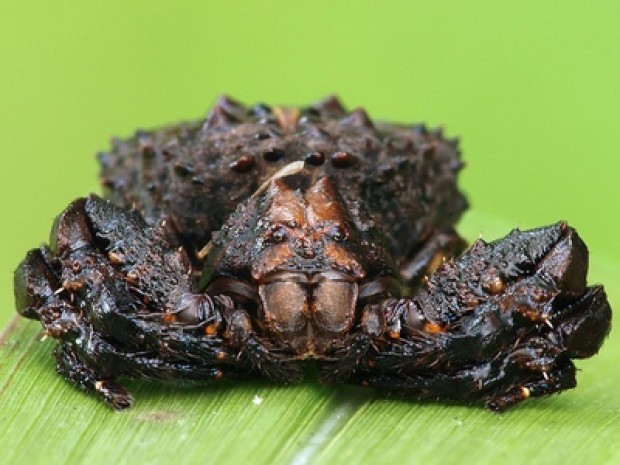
x=261 y=237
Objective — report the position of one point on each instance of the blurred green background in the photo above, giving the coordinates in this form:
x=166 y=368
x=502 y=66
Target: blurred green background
x=531 y=86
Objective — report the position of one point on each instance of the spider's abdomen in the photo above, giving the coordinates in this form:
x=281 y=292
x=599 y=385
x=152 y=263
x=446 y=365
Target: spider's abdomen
x=195 y=174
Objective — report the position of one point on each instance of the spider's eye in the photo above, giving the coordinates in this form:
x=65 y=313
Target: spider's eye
x=337 y=233
x=278 y=235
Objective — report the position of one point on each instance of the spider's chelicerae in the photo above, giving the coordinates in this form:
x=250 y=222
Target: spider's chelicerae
x=262 y=236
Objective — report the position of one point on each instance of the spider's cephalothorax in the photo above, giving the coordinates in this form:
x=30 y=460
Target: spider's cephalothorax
x=306 y=260
x=264 y=236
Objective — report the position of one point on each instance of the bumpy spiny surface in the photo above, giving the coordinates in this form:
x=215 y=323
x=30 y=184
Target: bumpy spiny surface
x=196 y=174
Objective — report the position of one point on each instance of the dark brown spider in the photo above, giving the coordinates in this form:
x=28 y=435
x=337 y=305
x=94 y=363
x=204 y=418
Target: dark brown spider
x=261 y=237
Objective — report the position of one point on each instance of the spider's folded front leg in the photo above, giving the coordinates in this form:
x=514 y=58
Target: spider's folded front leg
x=121 y=300
x=161 y=273
x=502 y=322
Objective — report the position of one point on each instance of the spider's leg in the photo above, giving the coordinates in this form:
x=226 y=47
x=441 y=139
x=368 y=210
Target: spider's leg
x=502 y=382
x=131 y=284
x=528 y=282
x=581 y=326
x=494 y=326
x=562 y=377
x=197 y=342
x=93 y=364
x=535 y=368
x=71 y=367
x=274 y=363
x=40 y=295
x=506 y=315
x=110 y=359
x=119 y=286
x=353 y=349
x=441 y=245
x=179 y=319
x=345 y=358
x=38 y=292
x=119 y=298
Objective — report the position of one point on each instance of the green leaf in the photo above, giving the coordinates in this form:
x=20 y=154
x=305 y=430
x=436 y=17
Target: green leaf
x=43 y=420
